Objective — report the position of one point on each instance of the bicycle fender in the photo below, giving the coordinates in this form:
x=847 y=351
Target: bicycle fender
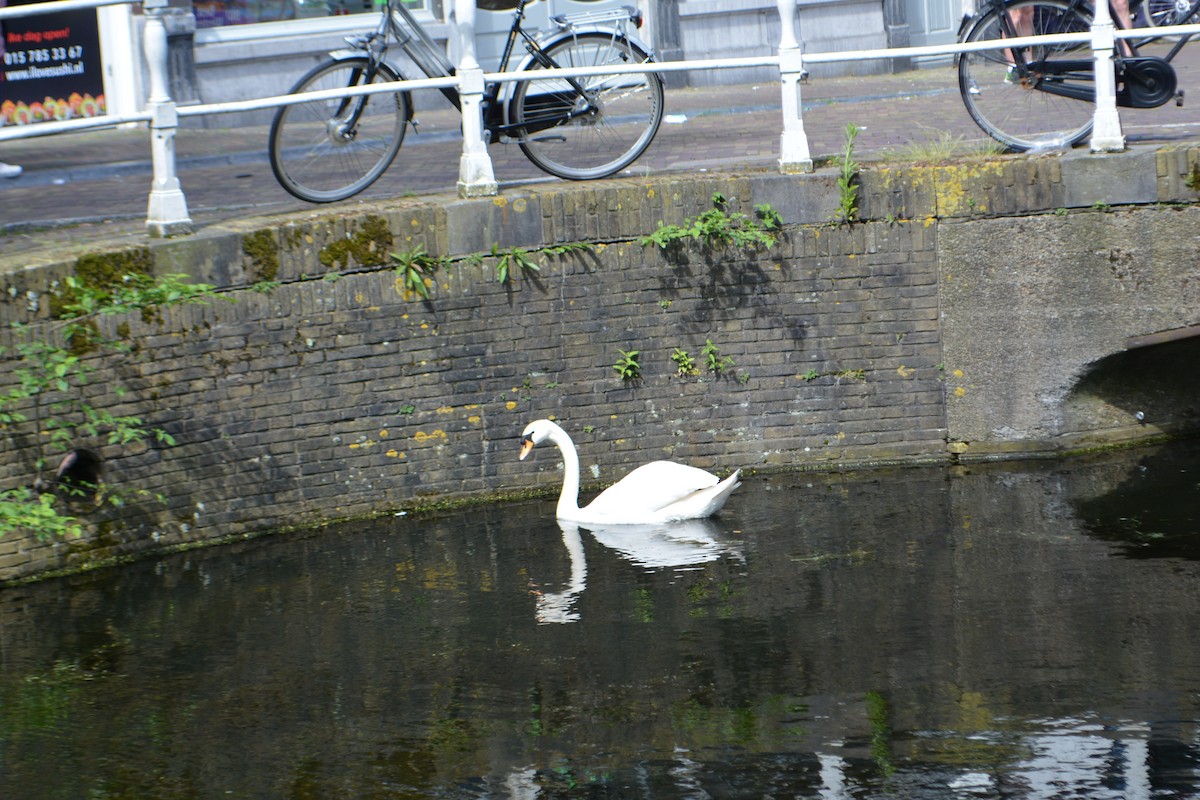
x=348 y=53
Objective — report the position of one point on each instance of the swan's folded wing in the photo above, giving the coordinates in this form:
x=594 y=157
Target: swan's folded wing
x=651 y=487
x=703 y=503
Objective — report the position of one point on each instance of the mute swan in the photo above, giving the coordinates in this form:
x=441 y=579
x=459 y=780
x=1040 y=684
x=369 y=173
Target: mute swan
x=661 y=491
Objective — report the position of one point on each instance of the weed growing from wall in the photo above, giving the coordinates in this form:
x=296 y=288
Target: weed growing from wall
x=719 y=228
x=847 y=182
x=627 y=366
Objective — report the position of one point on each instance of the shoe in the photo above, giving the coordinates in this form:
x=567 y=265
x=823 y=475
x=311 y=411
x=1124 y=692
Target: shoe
x=1010 y=77
x=10 y=170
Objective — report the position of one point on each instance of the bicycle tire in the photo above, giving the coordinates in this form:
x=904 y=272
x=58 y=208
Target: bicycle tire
x=1160 y=13
x=1014 y=108
x=313 y=158
x=626 y=110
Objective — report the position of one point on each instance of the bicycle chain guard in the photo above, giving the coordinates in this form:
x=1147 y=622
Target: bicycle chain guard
x=1145 y=82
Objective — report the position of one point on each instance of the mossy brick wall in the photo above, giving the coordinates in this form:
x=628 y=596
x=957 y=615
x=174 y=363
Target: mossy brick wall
x=330 y=391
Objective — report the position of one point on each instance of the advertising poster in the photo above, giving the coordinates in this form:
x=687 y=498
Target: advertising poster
x=51 y=67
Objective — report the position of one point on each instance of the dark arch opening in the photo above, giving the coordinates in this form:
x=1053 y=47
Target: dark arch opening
x=78 y=475
x=1156 y=384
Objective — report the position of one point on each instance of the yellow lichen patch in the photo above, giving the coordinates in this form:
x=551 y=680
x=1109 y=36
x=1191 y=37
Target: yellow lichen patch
x=383 y=434
x=958 y=373
x=393 y=453
x=510 y=405
x=422 y=437
x=444 y=410
x=520 y=204
x=904 y=372
x=500 y=202
x=960 y=392
x=474 y=420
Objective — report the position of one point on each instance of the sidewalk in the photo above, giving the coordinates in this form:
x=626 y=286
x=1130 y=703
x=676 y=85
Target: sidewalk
x=79 y=189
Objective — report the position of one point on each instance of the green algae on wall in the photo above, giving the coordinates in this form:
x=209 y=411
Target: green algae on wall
x=369 y=246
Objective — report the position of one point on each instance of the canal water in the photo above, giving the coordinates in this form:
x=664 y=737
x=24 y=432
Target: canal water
x=996 y=631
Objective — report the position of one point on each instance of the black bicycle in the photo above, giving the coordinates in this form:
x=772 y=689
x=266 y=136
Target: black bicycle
x=578 y=128
x=1043 y=97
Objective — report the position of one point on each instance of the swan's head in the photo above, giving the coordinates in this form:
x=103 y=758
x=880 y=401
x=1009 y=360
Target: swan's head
x=535 y=433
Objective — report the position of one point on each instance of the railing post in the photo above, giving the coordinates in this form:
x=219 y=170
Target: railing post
x=1106 y=125
x=167 y=213
x=794 y=156
x=475 y=175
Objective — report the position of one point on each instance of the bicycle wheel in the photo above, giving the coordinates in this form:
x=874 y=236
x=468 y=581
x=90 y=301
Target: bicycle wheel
x=1027 y=107
x=327 y=150
x=596 y=133
x=1159 y=13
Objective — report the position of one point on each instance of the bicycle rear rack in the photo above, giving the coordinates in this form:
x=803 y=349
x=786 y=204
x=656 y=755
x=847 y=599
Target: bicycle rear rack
x=586 y=18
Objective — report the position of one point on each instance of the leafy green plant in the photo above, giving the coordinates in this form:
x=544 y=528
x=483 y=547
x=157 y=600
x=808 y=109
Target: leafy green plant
x=512 y=260
x=713 y=360
x=847 y=181
x=718 y=227
x=627 y=366
x=566 y=248
x=415 y=267
x=52 y=377
x=685 y=365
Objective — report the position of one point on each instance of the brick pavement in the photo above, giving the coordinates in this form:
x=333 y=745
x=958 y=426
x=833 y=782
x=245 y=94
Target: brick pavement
x=82 y=188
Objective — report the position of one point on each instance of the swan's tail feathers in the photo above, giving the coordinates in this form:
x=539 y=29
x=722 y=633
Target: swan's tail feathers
x=706 y=502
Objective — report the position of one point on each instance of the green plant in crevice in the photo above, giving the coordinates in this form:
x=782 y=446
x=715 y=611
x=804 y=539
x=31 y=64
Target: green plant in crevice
x=718 y=227
x=566 y=248
x=627 y=366
x=511 y=260
x=685 y=365
x=52 y=391
x=416 y=269
x=1192 y=179
x=713 y=360
x=847 y=180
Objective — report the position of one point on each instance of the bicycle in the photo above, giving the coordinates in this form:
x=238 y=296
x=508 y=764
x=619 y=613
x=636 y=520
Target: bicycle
x=577 y=128
x=1043 y=97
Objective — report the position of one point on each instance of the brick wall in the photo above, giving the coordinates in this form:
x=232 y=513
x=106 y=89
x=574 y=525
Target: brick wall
x=332 y=392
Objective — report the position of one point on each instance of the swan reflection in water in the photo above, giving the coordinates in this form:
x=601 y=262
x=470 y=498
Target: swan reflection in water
x=667 y=545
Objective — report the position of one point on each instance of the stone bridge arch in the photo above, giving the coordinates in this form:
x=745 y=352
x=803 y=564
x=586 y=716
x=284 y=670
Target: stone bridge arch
x=1059 y=329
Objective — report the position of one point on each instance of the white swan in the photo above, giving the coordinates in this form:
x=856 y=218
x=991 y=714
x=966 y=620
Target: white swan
x=661 y=491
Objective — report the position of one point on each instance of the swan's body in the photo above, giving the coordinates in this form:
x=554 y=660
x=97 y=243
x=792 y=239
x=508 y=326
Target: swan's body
x=661 y=491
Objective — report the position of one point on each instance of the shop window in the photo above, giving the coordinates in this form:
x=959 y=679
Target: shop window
x=215 y=13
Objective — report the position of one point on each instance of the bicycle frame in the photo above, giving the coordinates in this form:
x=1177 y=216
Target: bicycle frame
x=1054 y=76
x=399 y=22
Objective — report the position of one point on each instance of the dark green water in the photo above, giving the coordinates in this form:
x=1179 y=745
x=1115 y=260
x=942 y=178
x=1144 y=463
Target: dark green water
x=991 y=632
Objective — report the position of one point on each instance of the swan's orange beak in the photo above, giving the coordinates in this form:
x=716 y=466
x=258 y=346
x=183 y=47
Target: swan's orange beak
x=526 y=446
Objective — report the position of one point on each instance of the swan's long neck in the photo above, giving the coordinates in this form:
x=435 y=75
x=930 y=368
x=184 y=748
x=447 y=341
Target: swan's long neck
x=568 y=500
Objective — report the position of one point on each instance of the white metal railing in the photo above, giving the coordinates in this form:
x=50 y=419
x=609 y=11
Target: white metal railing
x=167 y=208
